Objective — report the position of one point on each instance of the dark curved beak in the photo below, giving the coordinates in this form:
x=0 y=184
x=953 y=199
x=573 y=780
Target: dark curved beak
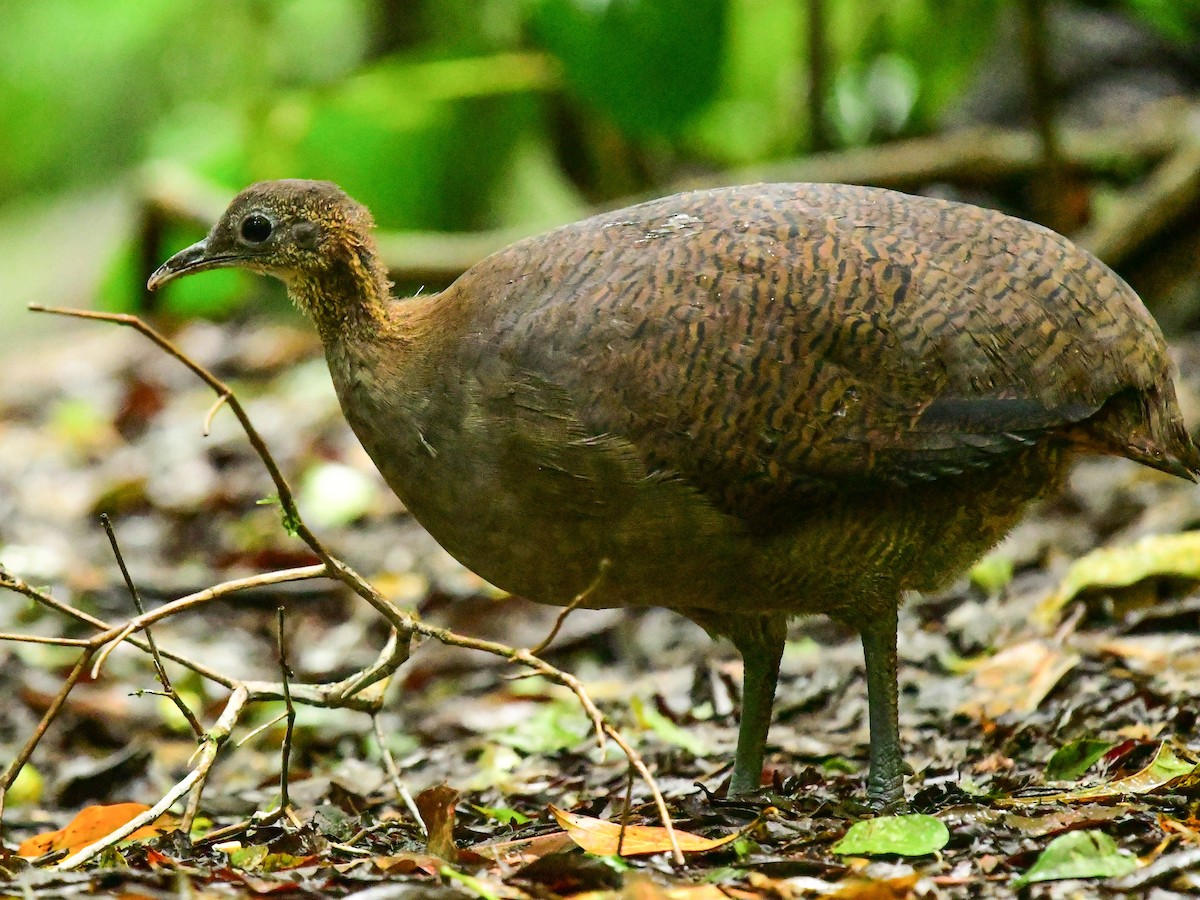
x=195 y=258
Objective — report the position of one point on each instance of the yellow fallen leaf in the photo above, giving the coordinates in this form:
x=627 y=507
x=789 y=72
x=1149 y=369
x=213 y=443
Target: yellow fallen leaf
x=1156 y=554
x=603 y=838
x=1167 y=768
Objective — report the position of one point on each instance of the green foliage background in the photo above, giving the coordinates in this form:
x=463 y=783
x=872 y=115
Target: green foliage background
x=464 y=114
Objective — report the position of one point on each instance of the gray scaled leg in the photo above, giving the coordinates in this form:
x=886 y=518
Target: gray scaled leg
x=759 y=639
x=885 y=784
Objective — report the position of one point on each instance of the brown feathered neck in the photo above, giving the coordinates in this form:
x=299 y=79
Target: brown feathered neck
x=349 y=294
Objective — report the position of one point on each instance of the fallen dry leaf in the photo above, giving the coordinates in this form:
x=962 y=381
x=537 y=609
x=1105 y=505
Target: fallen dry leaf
x=1167 y=768
x=605 y=838
x=90 y=825
x=436 y=805
x=1018 y=678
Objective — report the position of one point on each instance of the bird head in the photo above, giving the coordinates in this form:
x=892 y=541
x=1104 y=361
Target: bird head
x=310 y=235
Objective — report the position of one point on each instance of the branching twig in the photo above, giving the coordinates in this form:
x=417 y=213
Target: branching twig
x=344 y=693
x=159 y=669
x=571 y=607
x=205 y=757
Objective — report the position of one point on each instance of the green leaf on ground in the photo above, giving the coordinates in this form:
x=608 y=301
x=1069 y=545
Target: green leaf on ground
x=1073 y=759
x=1079 y=854
x=502 y=815
x=914 y=835
x=651 y=718
x=992 y=573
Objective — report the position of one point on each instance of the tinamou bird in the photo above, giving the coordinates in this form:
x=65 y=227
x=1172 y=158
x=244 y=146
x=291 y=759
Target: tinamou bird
x=744 y=404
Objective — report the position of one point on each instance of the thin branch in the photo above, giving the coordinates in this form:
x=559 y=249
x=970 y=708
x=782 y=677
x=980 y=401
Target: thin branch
x=403 y=622
x=571 y=607
x=285 y=753
x=635 y=760
x=206 y=756
x=393 y=773
x=39 y=639
x=118 y=634
x=13 y=583
x=159 y=669
x=221 y=400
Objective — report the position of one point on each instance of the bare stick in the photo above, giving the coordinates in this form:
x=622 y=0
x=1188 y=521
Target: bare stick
x=291 y=513
x=159 y=669
x=635 y=760
x=571 y=607
x=13 y=583
x=402 y=621
x=625 y=809
x=285 y=753
x=393 y=772
x=116 y=635
x=39 y=639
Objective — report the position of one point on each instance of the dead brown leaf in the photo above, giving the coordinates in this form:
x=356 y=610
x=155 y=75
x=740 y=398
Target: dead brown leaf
x=436 y=805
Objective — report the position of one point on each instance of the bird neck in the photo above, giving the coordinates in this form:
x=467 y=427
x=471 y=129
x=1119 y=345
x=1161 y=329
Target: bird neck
x=348 y=300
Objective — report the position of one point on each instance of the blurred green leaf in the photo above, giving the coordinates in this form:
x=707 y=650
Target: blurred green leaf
x=757 y=111
x=649 y=65
x=1073 y=759
x=914 y=835
x=992 y=573
x=552 y=728
x=1079 y=854
x=502 y=815
x=1177 y=19
x=651 y=718
x=1111 y=567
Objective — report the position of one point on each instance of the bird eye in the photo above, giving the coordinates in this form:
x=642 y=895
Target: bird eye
x=256 y=229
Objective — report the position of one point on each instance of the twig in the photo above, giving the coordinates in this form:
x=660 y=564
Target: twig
x=206 y=756
x=285 y=753
x=39 y=639
x=571 y=607
x=112 y=637
x=635 y=760
x=625 y=809
x=403 y=622
x=393 y=773
x=212 y=412
x=159 y=669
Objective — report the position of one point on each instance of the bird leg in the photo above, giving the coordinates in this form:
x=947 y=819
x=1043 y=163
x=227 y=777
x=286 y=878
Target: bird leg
x=759 y=640
x=885 y=784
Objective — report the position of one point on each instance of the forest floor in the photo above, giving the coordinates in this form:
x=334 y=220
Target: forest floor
x=1077 y=729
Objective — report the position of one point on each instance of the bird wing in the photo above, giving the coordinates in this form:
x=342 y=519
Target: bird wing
x=774 y=343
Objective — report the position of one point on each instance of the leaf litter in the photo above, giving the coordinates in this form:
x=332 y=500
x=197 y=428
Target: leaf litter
x=1066 y=753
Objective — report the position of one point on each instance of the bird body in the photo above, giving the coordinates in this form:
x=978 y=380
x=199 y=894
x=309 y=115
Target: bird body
x=743 y=404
